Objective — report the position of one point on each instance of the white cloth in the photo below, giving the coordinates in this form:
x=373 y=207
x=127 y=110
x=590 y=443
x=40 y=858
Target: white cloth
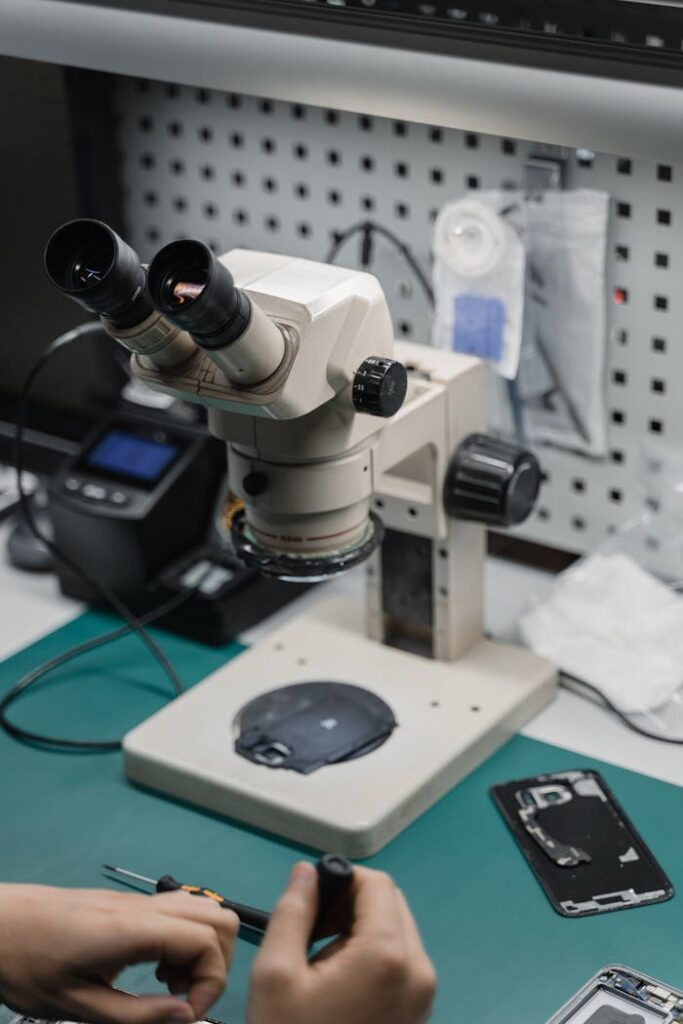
x=612 y=623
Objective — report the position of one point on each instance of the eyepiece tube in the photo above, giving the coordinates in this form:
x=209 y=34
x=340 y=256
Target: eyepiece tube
x=91 y=264
x=196 y=292
x=88 y=261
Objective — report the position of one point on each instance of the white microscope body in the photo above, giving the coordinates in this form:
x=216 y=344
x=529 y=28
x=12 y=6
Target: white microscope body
x=331 y=444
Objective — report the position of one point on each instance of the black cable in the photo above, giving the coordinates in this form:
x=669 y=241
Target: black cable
x=36 y=674
x=569 y=681
x=108 y=595
x=369 y=227
x=133 y=624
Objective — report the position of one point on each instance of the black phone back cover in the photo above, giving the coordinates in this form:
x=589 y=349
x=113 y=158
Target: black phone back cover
x=580 y=844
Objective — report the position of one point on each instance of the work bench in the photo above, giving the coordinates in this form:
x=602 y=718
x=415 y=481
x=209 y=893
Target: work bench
x=500 y=950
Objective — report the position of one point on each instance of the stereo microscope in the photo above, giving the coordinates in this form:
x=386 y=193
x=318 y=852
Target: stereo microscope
x=344 y=447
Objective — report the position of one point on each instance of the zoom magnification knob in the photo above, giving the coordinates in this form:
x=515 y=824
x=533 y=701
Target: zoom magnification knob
x=379 y=386
x=491 y=481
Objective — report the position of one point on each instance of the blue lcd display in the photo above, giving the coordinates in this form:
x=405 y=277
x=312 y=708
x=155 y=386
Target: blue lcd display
x=131 y=456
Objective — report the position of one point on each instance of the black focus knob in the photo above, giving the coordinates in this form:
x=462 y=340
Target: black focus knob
x=491 y=481
x=379 y=387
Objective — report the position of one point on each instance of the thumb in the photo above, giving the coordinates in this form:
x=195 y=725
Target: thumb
x=101 y=1004
x=289 y=931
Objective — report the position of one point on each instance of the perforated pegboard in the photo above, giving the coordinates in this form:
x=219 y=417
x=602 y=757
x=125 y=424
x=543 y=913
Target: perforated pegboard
x=238 y=171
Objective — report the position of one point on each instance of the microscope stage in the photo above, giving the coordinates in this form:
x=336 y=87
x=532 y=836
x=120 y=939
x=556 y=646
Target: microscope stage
x=451 y=717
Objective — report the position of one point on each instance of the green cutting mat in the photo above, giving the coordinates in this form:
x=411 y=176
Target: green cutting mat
x=503 y=955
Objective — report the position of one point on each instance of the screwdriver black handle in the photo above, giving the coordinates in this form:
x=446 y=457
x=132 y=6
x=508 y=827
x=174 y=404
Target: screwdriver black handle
x=335 y=875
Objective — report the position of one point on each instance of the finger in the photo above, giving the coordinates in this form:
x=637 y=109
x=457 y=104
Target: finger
x=195 y=948
x=103 y=1005
x=377 y=916
x=203 y=911
x=287 y=937
x=178 y=945
x=411 y=933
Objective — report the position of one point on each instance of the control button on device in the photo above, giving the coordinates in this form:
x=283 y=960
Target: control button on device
x=491 y=481
x=72 y=483
x=95 y=492
x=379 y=386
x=118 y=498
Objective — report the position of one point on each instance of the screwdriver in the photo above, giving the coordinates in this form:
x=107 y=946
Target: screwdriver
x=334 y=879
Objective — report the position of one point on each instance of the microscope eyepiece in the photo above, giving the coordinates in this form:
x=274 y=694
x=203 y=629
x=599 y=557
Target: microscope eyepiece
x=194 y=290
x=197 y=293
x=88 y=261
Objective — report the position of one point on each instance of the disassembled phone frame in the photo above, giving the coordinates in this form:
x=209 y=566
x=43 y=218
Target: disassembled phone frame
x=623 y=991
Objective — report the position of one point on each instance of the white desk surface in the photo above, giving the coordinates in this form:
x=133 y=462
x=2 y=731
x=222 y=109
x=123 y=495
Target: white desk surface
x=31 y=606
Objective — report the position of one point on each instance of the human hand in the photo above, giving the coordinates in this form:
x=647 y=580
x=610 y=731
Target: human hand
x=379 y=973
x=62 y=949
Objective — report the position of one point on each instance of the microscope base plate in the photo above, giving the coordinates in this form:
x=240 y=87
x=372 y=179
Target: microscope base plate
x=451 y=715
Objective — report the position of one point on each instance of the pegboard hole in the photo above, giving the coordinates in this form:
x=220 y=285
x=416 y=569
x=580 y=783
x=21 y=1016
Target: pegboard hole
x=436 y=175
x=624 y=210
x=334 y=197
x=241 y=217
x=619 y=377
x=579 y=485
x=150 y=198
x=177 y=167
x=624 y=166
x=661 y=302
x=664 y=217
x=301 y=190
x=333 y=157
x=664 y=172
x=269 y=185
x=367 y=163
x=658 y=386
x=435 y=135
x=234 y=100
x=331 y=117
x=622 y=336
x=236 y=140
x=210 y=210
x=401 y=170
x=301 y=151
x=365 y=123
x=656 y=426
x=472 y=181
x=298 y=112
x=368 y=203
x=622 y=252
x=618 y=417
x=304 y=229
x=405 y=328
x=202 y=96
x=207 y=172
x=578 y=523
x=145 y=124
x=402 y=210
x=148 y=161
x=180 y=204
x=661 y=259
x=508 y=147
x=616 y=455
x=615 y=495
x=658 y=345
x=268 y=145
x=237 y=178
x=543 y=514
x=471 y=140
